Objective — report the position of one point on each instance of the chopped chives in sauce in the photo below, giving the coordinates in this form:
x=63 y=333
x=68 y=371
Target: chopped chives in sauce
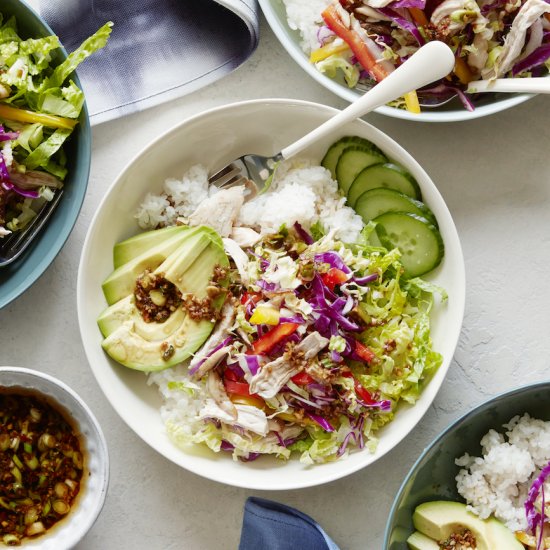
x=40 y=466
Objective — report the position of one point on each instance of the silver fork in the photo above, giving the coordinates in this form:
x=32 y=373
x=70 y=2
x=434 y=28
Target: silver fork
x=12 y=246
x=431 y=62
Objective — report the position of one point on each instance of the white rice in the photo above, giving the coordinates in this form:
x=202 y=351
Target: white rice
x=305 y=17
x=498 y=482
x=301 y=192
x=304 y=193
x=180 y=408
x=179 y=198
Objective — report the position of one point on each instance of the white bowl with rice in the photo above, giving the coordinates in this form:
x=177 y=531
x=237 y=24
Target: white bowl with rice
x=263 y=127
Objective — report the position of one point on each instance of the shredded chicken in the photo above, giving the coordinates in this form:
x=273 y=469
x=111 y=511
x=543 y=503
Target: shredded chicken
x=220 y=210
x=245 y=236
x=216 y=338
x=212 y=361
x=515 y=39
x=275 y=374
x=32 y=179
x=217 y=391
x=239 y=257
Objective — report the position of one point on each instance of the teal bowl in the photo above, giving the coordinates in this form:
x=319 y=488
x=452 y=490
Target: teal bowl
x=433 y=475
x=15 y=278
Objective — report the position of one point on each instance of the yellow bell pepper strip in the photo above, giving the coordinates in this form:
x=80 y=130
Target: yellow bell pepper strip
x=257 y=402
x=412 y=103
x=265 y=315
x=22 y=115
x=463 y=72
x=326 y=51
x=289 y=417
x=365 y=49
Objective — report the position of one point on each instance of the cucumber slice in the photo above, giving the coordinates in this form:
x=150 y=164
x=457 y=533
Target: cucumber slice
x=419 y=241
x=335 y=150
x=352 y=161
x=388 y=175
x=380 y=200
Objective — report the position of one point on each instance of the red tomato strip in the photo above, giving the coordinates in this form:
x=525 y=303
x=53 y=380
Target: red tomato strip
x=303 y=379
x=365 y=353
x=356 y=42
x=333 y=277
x=270 y=339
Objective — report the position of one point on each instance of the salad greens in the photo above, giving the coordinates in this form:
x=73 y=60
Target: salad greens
x=39 y=109
x=320 y=344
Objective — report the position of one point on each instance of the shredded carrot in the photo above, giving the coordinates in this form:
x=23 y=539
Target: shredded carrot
x=418 y=16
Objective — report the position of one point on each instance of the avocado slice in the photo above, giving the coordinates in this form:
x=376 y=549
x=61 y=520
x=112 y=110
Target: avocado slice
x=141 y=345
x=439 y=519
x=133 y=247
x=501 y=536
x=121 y=281
x=125 y=310
x=419 y=541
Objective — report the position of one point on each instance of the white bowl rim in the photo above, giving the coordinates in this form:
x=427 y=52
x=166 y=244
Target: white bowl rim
x=79 y=530
x=81 y=291
x=427 y=115
x=448 y=429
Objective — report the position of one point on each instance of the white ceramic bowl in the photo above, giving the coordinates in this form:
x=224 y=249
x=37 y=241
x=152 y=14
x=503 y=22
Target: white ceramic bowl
x=69 y=531
x=214 y=138
x=488 y=104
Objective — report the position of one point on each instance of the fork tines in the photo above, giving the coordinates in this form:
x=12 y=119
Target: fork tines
x=228 y=176
x=13 y=246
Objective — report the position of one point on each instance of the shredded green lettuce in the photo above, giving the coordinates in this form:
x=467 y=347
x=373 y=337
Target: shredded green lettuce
x=330 y=67
x=31 y=83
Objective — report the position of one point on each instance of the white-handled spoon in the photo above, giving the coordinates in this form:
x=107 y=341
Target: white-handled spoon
x=539 y=85
x=431 y=62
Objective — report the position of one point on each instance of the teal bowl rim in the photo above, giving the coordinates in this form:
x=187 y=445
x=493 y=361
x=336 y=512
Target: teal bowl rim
x=499 y=397
x=77 y=199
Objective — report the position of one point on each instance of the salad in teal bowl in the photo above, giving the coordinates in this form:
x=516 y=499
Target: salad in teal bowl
x=45 y=139
x=483 y=482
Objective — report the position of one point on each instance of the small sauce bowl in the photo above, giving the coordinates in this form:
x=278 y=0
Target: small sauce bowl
x=87 y=505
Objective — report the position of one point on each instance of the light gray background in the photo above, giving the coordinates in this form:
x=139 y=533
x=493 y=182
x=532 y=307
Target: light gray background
x=494 y=174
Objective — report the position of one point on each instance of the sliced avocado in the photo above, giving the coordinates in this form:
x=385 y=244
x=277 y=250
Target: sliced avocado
x=125 y=310
x=132 y=350
x=133 y=247
x=419 y=541
x=439 y=519
x=501 y=536
x=140 y=345
x=121 y=282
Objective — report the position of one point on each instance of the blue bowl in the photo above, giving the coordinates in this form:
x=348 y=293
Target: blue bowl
x=21 y=274
x=433 y=475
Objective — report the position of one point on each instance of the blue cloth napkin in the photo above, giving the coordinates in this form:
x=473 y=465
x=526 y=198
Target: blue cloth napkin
x=269 y=525
x=159 y=49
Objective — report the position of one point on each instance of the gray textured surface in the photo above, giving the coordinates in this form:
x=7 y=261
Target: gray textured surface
x=495 y=176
